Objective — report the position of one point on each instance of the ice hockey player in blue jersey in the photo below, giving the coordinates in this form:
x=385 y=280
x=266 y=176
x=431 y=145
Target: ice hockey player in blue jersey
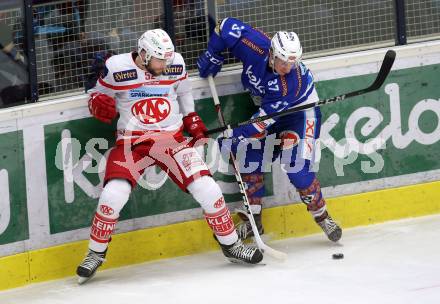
x=277 y=80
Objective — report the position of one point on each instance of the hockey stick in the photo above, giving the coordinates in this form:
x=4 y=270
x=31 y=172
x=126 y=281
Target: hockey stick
x=263 y=247
x=385 y=69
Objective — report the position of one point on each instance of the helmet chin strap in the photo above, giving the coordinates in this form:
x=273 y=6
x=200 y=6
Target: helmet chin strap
x=141 y=59
x=272 y=60
x=271 y=57
x=144 y=63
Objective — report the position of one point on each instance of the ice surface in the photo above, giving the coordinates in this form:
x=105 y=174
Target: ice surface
x=393 y=263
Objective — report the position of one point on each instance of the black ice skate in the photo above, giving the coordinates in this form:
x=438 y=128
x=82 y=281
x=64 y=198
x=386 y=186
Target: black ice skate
x=242 y=253
x=330 y=228
x=87 y=269
x=244 y=228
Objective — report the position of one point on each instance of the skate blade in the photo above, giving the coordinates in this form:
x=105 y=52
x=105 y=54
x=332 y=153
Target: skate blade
x=240 y=262
x=82 y=280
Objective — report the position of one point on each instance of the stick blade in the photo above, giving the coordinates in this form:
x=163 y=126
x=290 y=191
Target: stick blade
x=279 y=255
x=385 y=69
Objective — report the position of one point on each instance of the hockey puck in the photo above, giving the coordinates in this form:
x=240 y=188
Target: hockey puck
x=338 y=256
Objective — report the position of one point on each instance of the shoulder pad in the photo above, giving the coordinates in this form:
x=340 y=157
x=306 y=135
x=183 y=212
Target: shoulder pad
x=120 y=62
x=177 y=67
x=121 y=68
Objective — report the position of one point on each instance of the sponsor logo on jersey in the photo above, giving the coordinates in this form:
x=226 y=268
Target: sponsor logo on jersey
x=310 y=128
x=175 y=69
x=125 y=75
x=298 y=75
x=289 y=139
x=144 y=92
x=309 y=138
x=252 y=46
x=254 y=81
x=284 y=85
x=151 y=110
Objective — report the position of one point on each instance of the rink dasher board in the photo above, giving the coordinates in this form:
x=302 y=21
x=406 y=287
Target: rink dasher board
x=194 y=237
x=40 y=208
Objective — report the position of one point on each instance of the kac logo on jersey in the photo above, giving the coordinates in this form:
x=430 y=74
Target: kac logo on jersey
x=125 y=75
x=151 y=110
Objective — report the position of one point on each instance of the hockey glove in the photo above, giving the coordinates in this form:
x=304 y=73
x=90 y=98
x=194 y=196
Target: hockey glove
x=209 y=63
x=232 y=137
x=228 y=142
x=102 y=107
x=193 y=124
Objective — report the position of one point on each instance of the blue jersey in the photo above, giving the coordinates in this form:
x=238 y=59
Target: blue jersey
x=251 y=47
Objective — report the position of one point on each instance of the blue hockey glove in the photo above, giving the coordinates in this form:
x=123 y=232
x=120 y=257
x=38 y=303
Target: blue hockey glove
x=229 y=141
x=209 y=64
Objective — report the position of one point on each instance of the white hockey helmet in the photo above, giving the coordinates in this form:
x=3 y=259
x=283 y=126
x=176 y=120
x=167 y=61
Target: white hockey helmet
x=286 y=46
x=156 y=43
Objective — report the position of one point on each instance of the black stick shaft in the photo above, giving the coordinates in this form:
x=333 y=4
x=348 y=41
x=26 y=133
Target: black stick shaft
x=385 y=69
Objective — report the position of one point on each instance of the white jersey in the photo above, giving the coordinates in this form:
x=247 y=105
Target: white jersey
x=145 y=102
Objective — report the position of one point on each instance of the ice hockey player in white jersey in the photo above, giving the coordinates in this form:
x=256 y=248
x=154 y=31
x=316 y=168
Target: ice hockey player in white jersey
x=150 y=91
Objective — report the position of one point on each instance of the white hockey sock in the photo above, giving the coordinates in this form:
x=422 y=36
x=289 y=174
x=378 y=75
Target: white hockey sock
x=318 y=213
x=113 y=198
x=208 y=194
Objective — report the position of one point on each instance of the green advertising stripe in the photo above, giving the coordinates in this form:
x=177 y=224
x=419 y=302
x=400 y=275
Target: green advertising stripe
x=14 y=224
x=404 y=113
x=194 y=236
